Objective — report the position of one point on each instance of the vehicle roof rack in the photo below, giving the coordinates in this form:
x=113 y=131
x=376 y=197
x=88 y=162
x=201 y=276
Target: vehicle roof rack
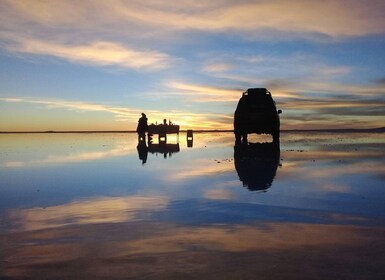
x=256 y=91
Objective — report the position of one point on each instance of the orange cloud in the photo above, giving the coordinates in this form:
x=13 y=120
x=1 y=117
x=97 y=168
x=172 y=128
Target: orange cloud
x=98 y=53
x=329 y=17
x=217 y=67
x=187 y=120
x=199 y=93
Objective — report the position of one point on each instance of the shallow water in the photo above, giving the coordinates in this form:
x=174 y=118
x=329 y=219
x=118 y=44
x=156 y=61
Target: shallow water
x=93 y=206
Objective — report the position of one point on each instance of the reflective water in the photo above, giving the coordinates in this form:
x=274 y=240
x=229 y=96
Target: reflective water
x=93 y=206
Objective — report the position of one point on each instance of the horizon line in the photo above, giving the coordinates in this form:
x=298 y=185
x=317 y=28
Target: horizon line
x=377 y=129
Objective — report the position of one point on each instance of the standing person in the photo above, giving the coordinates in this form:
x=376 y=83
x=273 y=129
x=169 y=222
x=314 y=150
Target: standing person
x=142 y=126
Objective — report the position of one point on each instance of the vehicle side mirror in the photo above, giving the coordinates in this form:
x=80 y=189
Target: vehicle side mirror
x=279 y=111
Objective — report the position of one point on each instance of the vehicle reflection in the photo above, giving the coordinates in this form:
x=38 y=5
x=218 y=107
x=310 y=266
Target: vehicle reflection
x=163 y=148
x=256 y=164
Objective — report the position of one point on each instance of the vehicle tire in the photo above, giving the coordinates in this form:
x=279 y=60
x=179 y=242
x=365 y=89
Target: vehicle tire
x=238 y=137
x=244 y=138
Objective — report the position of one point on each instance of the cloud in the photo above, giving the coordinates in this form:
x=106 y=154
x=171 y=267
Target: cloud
x=380 y=81
x=187 y=120
x=330 y=17
x=203 y=93
x=155 y=17
x=75 y=105
x=357 y=109
x=101 y=53
x=291 y=68
x=120 y=113
x=306 y=104
x=217 y=67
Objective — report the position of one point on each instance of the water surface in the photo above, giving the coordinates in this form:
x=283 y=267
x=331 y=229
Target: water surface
x=96 y=206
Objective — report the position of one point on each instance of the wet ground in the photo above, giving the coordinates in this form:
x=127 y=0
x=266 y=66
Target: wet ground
x=103 y=206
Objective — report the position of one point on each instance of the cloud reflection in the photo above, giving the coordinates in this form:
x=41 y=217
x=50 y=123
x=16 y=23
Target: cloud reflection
x=343 y=163
x=136 y=249
x=90 y=211
x=202 y=168
x=51 y=159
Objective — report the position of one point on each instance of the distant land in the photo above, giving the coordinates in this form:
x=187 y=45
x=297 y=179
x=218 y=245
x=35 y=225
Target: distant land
x=342 y=130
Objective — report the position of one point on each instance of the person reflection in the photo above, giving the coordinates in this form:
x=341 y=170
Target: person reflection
x=142 y=150
x=256 y=164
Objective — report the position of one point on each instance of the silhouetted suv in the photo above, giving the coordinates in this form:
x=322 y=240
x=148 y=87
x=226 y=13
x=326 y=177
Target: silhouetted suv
x=256 y=113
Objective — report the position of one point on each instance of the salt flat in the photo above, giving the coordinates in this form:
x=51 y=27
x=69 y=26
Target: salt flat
x=103 y=206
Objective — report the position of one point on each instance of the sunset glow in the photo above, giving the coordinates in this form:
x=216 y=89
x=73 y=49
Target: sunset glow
x=97 y=65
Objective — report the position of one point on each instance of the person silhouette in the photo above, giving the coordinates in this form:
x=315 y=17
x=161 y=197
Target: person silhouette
x=142 y=126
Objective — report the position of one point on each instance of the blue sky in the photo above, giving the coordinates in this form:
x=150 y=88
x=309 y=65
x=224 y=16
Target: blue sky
x=96 y=65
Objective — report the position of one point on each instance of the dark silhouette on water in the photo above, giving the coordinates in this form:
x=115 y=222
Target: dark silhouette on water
x=142 y=127
x=256 y=164
x=256 y=113
x=142 y=150
x=189 y=138
x=162 y=147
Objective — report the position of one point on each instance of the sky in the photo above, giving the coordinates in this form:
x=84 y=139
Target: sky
x=97 y=65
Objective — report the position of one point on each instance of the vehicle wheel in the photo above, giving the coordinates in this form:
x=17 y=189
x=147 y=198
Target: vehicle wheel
x=238 y=138
x=244 y=138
